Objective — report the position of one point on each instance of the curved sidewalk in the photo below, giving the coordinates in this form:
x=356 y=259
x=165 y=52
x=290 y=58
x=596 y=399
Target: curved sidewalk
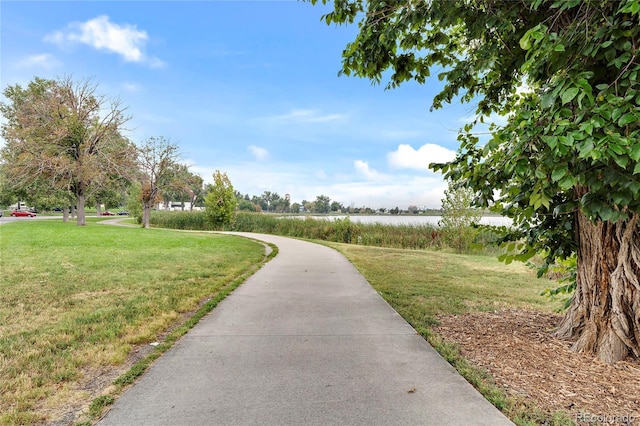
x=304 y=341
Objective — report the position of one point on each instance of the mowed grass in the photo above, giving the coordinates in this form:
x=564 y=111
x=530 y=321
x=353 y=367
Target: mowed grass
x=422 y=284
x=79 y=298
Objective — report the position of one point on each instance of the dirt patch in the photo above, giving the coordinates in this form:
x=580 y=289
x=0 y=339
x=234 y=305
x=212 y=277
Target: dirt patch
x=95 y=381
x=517 y=348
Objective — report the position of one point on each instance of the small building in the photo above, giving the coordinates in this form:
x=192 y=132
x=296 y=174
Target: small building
x=176 y=206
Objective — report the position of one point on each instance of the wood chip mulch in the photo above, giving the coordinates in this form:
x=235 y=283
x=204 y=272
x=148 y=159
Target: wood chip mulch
x=517 y=348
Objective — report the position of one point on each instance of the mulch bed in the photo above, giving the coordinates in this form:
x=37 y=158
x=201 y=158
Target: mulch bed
x=517 y=348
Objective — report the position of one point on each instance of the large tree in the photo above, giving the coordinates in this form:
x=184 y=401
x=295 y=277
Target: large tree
x=183 y=186
x=323 y=204
x=565 y=167
x=63 y=133
x=157 y=159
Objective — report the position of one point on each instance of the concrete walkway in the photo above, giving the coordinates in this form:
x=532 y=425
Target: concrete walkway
x=305 y=341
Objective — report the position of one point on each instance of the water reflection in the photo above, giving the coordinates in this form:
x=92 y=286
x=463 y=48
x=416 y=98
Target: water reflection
x=410 y=219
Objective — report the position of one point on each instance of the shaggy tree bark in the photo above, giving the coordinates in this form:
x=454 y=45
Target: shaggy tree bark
x=604 y=316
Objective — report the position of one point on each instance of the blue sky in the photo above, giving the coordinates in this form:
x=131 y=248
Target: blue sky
x=250 y=88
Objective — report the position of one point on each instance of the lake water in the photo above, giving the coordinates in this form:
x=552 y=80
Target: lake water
x=412 y=219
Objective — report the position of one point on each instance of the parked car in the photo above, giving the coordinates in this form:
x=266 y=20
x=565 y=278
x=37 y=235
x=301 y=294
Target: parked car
x=107 y=213
x=123 y=213
x=57 y=209
x=18 y=213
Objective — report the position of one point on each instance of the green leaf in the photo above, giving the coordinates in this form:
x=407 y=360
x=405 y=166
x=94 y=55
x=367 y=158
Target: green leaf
x=605 y=213
x=616 y=113
x=636 y=169
x=525 y=41
x=534 y=201
x=558 y=174
x=544 y=200
x=627 y=119
x=586 y=88
x=552 y=141
x=523 y=257
x=621 y=160
x=569 y=94
x=634 y=153
x=585 y=148
x=631 y=7
x=506 y=258
x=616 y=149
x=620 y=198
x=566 y=183
x=548 y=99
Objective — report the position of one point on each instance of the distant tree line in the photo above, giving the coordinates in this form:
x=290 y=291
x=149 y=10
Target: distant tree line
x=273 y=202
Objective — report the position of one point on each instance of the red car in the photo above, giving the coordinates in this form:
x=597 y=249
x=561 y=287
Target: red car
x=17 y=213
x=107 y=213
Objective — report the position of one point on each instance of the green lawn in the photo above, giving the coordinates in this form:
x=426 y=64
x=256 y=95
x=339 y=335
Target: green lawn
x=75 y=298
x=421 y=284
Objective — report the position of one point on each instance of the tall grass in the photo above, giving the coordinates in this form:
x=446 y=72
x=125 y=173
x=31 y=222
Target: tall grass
x=185 y=220
x=342 y=231
x=407 y=236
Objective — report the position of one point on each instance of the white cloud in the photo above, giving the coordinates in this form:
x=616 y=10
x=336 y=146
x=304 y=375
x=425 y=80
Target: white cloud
x=259 y=154
x=43 y=60
x=321 y=174
x=101 y=34
x=362 y=167
x=406 y=157
x=156 y=63
x=401 y=191
x=131 y=87
x=308 y=116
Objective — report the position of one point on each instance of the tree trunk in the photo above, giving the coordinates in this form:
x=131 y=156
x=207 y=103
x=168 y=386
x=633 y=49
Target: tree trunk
x=146 y=214
x=80 y=199
x=65 y=214
x=604 y=316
